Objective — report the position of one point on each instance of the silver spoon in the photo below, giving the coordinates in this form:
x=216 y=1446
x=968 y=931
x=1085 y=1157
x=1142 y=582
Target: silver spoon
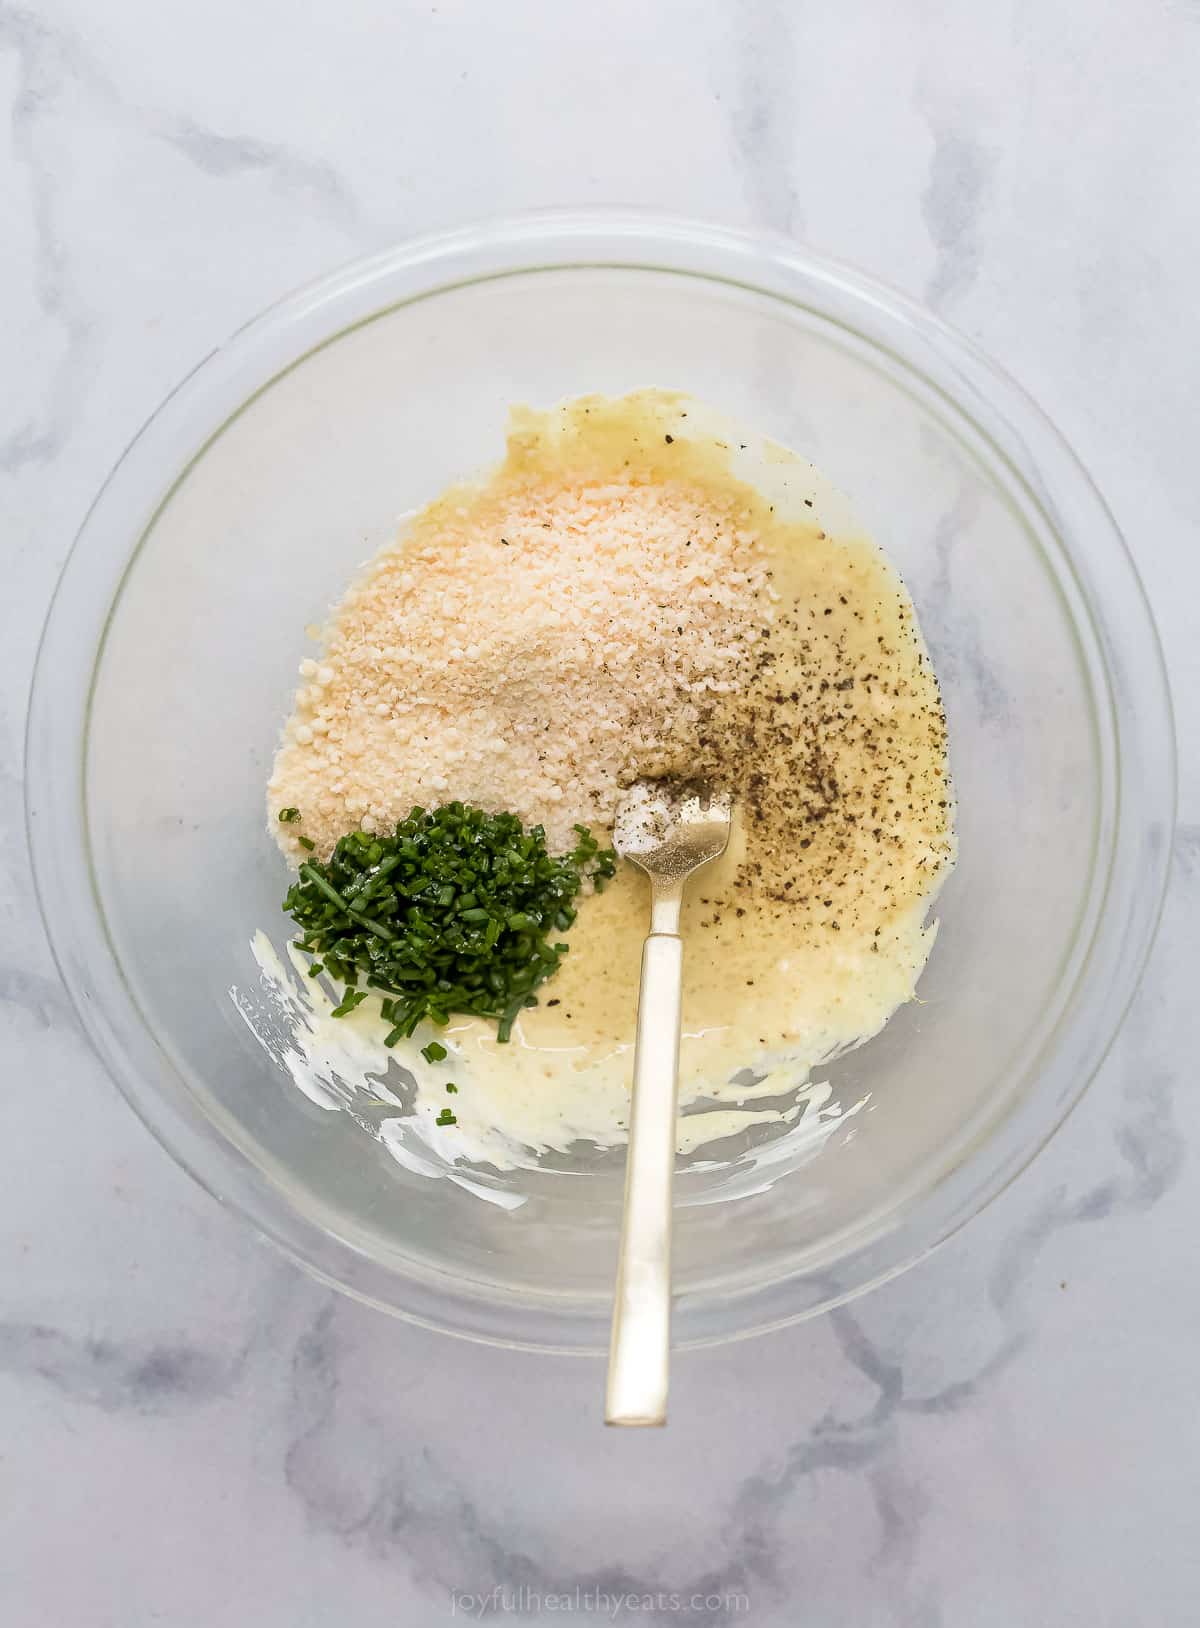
x=669 y=834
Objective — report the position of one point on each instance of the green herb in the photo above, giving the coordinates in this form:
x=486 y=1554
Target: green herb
x=433 y=1052
x=450 y=1086
x=288 y=816
x=352 y=998
x=451 y=913
x=446 y=1118
x=306 y=842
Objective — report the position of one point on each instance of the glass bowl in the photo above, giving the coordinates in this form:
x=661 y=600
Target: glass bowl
x=237 y=516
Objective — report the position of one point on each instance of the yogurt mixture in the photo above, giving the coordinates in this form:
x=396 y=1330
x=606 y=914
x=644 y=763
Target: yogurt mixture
x=819 y=711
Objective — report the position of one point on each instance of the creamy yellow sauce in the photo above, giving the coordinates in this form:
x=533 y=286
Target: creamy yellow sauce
x=802 y=939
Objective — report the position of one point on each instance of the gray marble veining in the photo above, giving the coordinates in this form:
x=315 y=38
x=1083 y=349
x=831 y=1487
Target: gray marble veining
x=761 y=103
x=1007 y=1434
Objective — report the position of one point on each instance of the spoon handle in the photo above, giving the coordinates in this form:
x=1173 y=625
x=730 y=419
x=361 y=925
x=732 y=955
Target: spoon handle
x=641 y=1330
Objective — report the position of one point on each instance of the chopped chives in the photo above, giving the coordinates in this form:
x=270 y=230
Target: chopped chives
x=350 y=1000
x=450 y=913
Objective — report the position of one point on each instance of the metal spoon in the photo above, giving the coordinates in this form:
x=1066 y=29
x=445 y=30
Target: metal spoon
x=670 y=834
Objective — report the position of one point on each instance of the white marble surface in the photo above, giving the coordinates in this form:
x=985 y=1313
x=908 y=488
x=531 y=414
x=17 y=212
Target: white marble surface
x=193 y=1433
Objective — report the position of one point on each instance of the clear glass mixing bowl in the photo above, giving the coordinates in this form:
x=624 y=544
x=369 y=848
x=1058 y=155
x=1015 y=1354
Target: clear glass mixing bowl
x=237 y=516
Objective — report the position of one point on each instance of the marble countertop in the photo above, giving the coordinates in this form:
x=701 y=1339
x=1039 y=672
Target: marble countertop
x=194 y=1434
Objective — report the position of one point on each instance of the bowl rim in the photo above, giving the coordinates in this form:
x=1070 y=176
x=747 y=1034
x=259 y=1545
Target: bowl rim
x=140 y=483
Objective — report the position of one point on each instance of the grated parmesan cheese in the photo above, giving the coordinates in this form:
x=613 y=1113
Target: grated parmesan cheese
x=528 y=645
